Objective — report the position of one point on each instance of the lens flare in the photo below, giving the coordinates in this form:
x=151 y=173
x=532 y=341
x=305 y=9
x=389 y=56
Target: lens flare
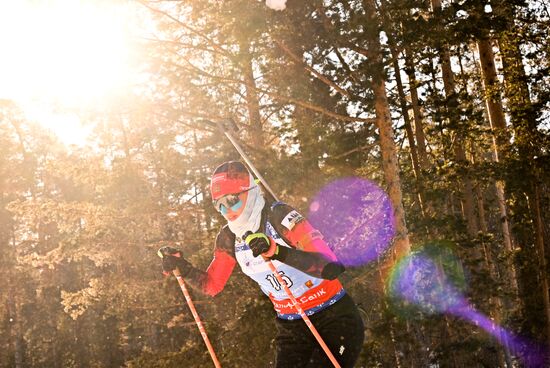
x=432 y=280
x=356 y=219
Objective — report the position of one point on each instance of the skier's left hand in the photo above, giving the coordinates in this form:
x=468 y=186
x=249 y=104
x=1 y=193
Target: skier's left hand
x=260 y=243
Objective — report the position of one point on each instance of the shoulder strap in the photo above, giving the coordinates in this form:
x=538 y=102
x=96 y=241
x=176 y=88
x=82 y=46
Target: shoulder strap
x=270 y=216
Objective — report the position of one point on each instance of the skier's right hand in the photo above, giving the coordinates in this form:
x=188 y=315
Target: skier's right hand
x=172 y=259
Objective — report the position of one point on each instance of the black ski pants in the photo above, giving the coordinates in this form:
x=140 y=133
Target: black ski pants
x=340 y=326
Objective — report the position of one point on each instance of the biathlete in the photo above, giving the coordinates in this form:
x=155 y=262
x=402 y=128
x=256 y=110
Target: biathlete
x=257 y=230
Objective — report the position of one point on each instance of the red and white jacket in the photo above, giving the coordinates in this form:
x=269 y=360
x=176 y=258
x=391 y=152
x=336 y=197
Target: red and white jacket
x=300 y=270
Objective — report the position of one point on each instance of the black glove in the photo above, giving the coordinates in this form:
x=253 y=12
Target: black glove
x=172 y=259
x=332 y=270
x=260 y=243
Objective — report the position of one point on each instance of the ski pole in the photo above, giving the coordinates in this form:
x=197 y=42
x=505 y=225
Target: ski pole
x=269 y=263
x=202 y=330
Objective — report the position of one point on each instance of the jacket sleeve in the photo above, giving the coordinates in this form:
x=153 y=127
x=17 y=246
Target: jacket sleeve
x=309 y=252
x=214 y=279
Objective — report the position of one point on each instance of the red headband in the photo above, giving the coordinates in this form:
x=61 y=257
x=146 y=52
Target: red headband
x=223 y=184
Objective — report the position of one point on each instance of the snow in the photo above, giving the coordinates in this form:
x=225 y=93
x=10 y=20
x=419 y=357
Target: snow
x=276 y=4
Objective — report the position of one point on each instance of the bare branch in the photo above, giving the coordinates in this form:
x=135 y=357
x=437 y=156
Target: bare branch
x=345 y=65
x=356 y=149
x=319 y=76
x=184 y=45
x=214 y=44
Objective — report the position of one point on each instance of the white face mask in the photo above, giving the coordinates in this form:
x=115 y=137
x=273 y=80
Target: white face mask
x=251 y=217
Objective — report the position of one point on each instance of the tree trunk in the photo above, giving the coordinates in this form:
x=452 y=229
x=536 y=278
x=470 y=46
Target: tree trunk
x=408 y=127
x=492 y=95
x=387 y=143
x=500 y=140
x=534 y=203
x=417 y=113
x=396 y=353
x=16 y=334
x=252 y=102
x=466 y=187
x=527 y=139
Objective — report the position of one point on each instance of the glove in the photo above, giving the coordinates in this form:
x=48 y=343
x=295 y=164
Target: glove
x=172 y=259
x=332 y=270
x=262 y=244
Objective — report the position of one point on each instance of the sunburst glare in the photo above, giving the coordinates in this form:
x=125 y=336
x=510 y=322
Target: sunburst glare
x=70 y=54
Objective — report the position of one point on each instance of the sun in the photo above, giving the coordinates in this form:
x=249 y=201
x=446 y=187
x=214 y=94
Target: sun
x=66 y=53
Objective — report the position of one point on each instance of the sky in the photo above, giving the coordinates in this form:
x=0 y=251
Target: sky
x=63 y=55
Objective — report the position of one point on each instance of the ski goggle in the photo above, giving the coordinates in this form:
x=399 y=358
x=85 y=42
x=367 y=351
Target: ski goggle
x=228 y=202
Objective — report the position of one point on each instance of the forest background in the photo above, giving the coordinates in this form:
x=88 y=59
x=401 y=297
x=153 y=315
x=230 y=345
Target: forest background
x=445 y=104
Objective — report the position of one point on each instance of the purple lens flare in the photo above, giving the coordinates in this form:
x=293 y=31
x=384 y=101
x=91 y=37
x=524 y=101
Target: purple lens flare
x=419 y=282
x=532 y=355
x=356 y=219
x=431 y=278
x=427 y=280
